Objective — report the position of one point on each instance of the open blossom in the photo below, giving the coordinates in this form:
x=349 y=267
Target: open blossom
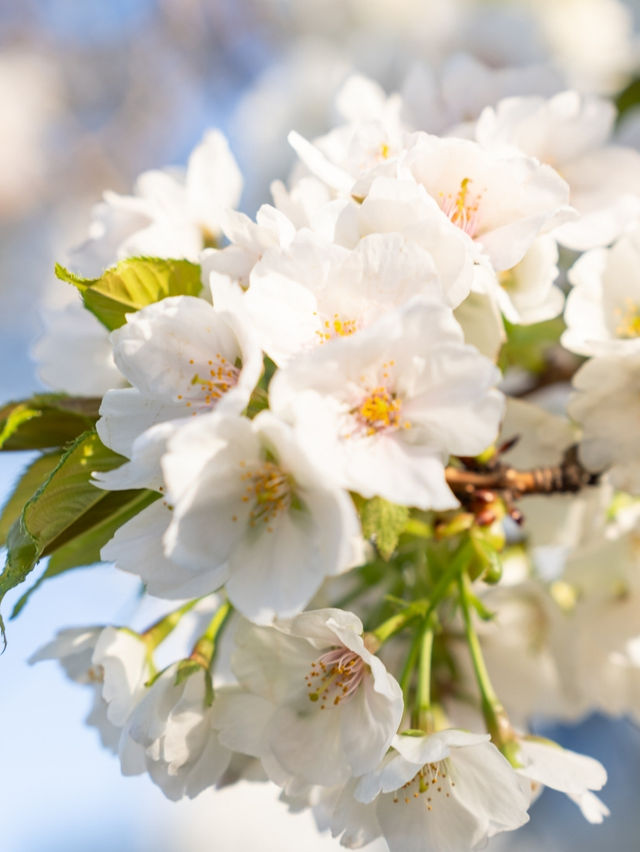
x=544 y=762
x=74 y=354
x=329 y=708
x=317 y=291
x=173 y=726
x=182 y=357
x=404 y=207
x=570 y=132
x=501 y=200
x=383 y=409
x=527 y=291
x=252 y=511
x=448 y=791
x=172 y=213
x=606 y=400
x=248 y=241
x=603 y=308
x=595 y=636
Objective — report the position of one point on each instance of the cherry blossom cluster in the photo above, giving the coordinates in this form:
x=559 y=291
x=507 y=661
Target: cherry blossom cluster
x=335 y=386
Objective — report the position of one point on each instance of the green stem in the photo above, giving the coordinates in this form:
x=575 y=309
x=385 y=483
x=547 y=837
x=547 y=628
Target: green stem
x=423 y=696
x=205 y=648
x=159 y=631
x=494 y=713
x=409 y=666
x=394 y=624
x=424 y=608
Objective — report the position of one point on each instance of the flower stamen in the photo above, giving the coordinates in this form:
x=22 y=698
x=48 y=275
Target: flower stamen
x=334 y=677
x=462 y=210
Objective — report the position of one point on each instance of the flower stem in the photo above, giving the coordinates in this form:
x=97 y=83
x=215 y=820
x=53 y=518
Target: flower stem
x=424 y=607
x=423 y=696
x=159 y=631
x=205 y=648
x=394 y=624
x=494 y=713
x=410 y=665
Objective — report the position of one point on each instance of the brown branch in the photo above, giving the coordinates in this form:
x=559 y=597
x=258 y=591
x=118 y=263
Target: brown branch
x=567 y=477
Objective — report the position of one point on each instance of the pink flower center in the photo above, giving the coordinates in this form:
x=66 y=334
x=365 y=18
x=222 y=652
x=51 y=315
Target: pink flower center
x=269 y=491
x=334 y=677
x=463 y=208
x=210 y=385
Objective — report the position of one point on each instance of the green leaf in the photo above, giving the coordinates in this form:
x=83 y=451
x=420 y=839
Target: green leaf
x=383 y=522
x=28 y=483
x=83 y=549
x=59 y=503
x=45 y=420
x=132 y=284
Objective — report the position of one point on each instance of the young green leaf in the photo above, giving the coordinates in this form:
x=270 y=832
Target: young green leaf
x=60 y=502
x=132 y=284
x=45 y=420
x=383 y=522
x=26 y=486
x=83 y=549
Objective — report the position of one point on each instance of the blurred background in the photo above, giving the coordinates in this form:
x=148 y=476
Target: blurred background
x=94 y=92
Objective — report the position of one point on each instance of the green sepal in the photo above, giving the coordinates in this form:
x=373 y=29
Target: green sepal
x=189 y=667
x=487 y=542
x=132 y=284
x=59 y=504
x=26 y=486
x=45 y=421
x=511 y=750
x=82 y=549
x=383 y=522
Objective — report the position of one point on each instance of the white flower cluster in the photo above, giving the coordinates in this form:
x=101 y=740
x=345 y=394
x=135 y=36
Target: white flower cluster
x=341 y=360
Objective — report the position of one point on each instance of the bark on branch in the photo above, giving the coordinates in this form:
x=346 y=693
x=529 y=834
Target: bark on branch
x=567 y=477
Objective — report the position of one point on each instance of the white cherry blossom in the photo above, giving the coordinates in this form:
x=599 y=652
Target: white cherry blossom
x=173 y=725
x=329 y=708
x=248 y=242
x=501 y=200
x=606 y=400
x=252 y=511
x=74 y=354
x=405 y=207
x=570 y=132
x=316 y=291
x=603 y=309
x=545 y=762
x=449 y=791
x=383 y=409
x=182 y=357
x=172 y=213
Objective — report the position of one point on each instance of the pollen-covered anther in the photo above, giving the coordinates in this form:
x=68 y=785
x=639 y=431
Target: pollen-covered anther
x=214 y=382
x=334 y=677
x=628 y=320
x=95 y=674
x=380 y=411
x=336 y=326
x=463 y=208
x=269 y=491
x=432 y=779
